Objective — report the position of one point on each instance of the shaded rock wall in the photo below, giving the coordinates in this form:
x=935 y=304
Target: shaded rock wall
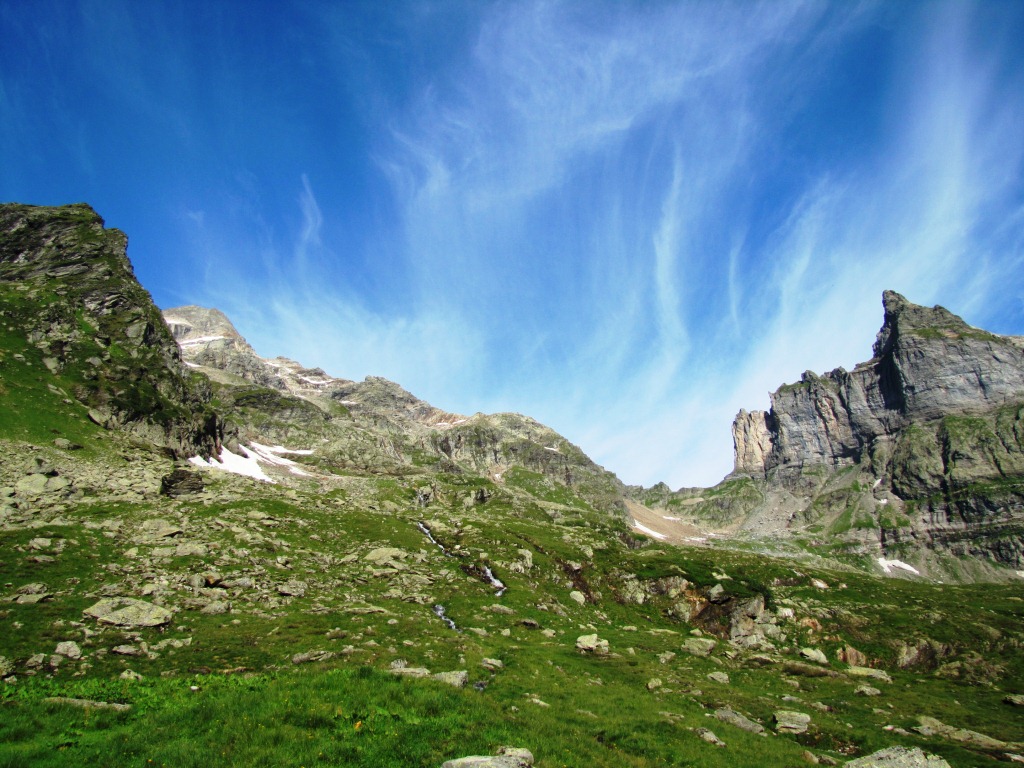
x=84 y=309
x=932 y=425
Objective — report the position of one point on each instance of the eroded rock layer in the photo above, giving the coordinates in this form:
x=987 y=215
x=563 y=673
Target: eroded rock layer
x=915 y=455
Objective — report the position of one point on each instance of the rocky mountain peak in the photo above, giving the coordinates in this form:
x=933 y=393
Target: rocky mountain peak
x=192 y=322
x=935 y=420
x=903 y=317
x=209 y=341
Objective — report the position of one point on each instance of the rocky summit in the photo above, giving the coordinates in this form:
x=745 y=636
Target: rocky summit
x=914 y=457
x=212 y=558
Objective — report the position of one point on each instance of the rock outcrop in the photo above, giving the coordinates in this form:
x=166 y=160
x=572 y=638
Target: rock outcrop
x=927 y=364
x=68 y=286
x=918 y=451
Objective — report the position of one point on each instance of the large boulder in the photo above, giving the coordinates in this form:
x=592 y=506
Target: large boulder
x=699 y=646
x=181 y=482
x=507 y=757
x=128 y=612
x=898 y=757
x=591 y=644
x=458 y=678
x=738 y=720
x=787 y=721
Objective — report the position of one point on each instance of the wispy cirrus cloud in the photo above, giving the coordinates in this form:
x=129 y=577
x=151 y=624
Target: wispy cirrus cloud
x=626 y=220
x=630 y=224
x=731 y=289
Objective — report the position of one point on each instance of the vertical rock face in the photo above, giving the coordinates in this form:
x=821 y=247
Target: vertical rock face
x=927 y=364
x=920 y=448
x=752 y=442
x=68 y=286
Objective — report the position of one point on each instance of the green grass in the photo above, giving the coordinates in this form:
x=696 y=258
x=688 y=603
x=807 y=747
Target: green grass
x=600 y=713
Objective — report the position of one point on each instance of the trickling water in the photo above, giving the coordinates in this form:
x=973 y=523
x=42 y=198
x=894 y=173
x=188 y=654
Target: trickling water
x=426 y=532
x=495 y=582
x=439 y=612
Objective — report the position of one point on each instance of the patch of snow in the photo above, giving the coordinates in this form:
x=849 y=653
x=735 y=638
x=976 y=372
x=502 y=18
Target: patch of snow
x=666 y=517
x=315 y=382
x=200 y=340
x=282 y=449
x=644 y=529
x=888 y=565
x=552 y=448
x=269 y=454
x=348 y=402
x=447 y=424
x=192 y=365
x=697 y=539
x=883 y=501
x=878 y=482
x=1021 y=574
x=232 y=462
x=249 y=466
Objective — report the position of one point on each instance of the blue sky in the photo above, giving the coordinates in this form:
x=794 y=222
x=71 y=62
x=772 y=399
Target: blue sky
x=627 y=220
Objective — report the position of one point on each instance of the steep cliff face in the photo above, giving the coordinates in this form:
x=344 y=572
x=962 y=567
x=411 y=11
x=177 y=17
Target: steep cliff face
x=918 y=451
x=927 y=364
x=69 y=289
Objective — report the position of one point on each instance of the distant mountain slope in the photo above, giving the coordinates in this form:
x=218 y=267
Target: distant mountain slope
x=375 y=425
x=918 y=452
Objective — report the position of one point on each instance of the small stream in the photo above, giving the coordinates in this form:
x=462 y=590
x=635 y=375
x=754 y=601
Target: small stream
x=439 y=612
x=426 y=532
x=493 y=580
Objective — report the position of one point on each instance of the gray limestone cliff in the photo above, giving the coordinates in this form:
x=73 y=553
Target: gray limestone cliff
x=927 y=364
x=916 y=454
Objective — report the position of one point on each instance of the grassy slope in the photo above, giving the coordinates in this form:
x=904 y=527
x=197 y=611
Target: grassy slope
x=600 y=712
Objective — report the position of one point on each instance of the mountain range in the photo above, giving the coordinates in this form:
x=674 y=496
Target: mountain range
x=176 y=510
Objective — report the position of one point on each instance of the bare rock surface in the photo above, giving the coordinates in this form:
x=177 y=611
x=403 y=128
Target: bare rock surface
x=128 y=612
x=740 y=721
x=507 y=757
x=898 y=757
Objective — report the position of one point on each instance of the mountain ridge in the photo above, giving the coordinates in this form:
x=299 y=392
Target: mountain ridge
x=491 y=444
